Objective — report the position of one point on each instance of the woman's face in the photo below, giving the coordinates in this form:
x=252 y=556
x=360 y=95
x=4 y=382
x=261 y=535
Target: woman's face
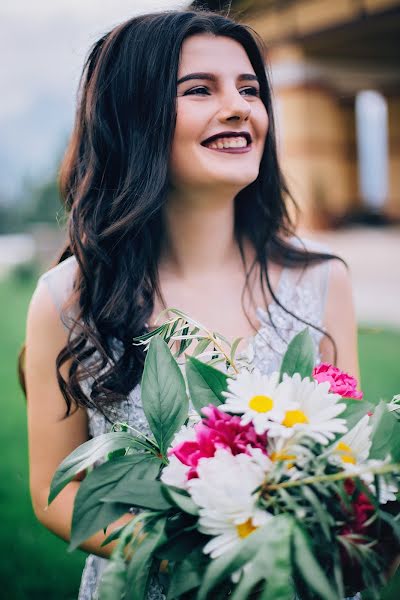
x=222 y=122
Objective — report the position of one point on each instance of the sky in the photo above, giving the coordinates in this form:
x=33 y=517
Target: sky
x=43 y=44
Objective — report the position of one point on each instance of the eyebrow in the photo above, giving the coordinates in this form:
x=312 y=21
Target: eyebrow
x=211 y=77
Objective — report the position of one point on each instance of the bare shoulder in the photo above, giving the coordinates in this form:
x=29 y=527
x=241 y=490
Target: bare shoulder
x=339 y=301
x=340 y=276
x=44 y=329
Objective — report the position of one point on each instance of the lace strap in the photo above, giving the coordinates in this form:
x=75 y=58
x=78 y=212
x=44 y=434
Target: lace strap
x=59 y=281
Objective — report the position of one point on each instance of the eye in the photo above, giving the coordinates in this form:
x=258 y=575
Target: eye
x=201 y=90
x=252 y=91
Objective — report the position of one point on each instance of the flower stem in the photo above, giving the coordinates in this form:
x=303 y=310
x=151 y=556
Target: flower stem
x=393 y=468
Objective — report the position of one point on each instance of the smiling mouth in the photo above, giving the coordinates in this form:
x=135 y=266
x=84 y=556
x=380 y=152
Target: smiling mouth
x=231 y=144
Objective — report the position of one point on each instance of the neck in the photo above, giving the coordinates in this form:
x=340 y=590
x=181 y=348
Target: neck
x=199 y=234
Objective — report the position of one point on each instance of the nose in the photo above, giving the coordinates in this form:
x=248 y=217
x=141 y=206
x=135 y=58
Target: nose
x=233 y=107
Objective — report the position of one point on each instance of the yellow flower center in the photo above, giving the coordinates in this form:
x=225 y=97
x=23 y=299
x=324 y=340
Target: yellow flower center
x=346 y=452
x=292 y=417
x=245 y=529
x=275 y=456
x=261 y=404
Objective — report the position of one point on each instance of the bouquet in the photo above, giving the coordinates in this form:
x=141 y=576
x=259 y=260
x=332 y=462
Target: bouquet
x=250 y=486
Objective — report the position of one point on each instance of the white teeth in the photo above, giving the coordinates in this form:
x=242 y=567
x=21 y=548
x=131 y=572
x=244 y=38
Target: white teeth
x=228 y=142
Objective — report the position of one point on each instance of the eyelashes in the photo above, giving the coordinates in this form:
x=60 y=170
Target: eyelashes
x=202 y=90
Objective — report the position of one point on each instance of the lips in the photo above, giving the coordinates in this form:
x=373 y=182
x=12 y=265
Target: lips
x=225 y=134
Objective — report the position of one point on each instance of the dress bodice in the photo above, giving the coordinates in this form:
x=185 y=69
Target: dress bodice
x=303 y=293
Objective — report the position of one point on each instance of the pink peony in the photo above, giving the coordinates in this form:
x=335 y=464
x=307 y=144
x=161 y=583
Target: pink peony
x=341 y=383
x=218 y=430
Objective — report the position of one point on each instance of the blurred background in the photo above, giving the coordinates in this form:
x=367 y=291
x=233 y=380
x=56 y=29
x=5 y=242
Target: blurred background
x=335 y=71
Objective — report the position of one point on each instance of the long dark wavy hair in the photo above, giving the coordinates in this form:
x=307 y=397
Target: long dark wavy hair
x=114 y=181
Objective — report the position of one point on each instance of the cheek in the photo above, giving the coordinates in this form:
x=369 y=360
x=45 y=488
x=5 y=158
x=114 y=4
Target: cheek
x=263 y=122
x=189 y=132
x=190 y=123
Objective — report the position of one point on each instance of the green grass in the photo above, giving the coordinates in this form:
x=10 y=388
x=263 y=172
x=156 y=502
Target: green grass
x=35 y=564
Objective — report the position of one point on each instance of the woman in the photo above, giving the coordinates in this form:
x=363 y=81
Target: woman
x=176 y=199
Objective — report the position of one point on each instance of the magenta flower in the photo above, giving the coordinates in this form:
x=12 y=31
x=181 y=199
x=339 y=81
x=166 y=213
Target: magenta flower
x=341 y=383
x=218 y=430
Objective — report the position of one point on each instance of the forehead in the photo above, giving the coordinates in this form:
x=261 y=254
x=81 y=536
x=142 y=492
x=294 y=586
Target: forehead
x=209 y=53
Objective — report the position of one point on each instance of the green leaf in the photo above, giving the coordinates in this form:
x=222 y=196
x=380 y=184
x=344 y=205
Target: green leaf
x=164 y=398
x=385 y=434
x=187 y=575
x=206 y=384
x=201 y=346
x=113 y=580
x=90 y=512
x=86 y=455
x=143 y=493
x=234 y=347
x=139 y=568
x=271 y=564
x=299 y=356
x=355 y=411
x=392 y=521
x=178 y=546
x=181 y=499
x=324 y=519
x=222 y=567
x=278 y=547
x=309 y=568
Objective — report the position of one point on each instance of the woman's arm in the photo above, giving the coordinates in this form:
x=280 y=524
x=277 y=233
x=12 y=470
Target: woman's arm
x=340 y=321
x=51 y=436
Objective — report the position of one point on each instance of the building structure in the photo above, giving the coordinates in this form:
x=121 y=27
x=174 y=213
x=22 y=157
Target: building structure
x=323 y=54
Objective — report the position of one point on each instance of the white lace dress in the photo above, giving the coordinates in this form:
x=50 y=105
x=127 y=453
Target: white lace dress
x=302 y=293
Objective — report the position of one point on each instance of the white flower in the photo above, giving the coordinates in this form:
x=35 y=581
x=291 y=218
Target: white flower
x=315 y=411
x=286 y=450
x=186 y=433
x=387 y=491
x=258 y=398
x=353 y=448
x=175 y=472
x=351 y=452
x=225 y=493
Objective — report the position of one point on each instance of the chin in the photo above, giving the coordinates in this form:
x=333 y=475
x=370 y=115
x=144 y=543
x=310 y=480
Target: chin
x=239 y=179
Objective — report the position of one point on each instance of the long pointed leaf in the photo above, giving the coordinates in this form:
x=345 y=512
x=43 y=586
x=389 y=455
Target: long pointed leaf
x=221 y=568
x=164 y=398
x=86 y=455
x=187 y=575
x=309 y=568
x=91 y=513
x=299 y=356
x=385 y=434
x=206 y=384
x=113 y=580
x=143 y=493
x=139 y=569
x=277 y=552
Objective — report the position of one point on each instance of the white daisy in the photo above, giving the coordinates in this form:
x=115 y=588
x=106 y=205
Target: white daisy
x=175 y=473
x=353 y=448
x=225 y=494
x=258 y=398
x=351 y=452
x=315 y=411
x=387 y=491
